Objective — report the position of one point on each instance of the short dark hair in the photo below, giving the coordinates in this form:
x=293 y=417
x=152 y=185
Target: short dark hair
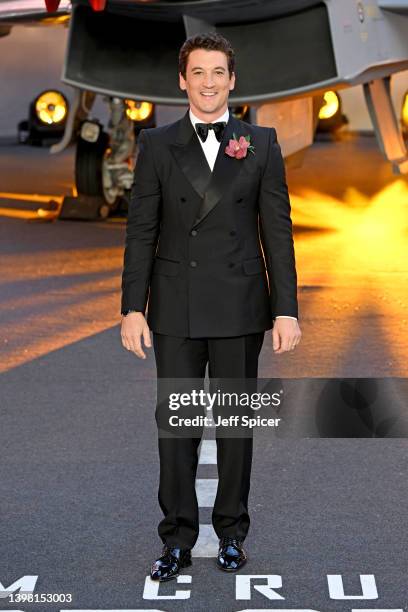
x=210 y=41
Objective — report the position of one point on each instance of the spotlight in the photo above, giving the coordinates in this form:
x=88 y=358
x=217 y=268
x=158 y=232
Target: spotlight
x=51 y=107
x=331 y=118
x=46 y=121
x=404 y=114
x=138 y=110
x=241 y=112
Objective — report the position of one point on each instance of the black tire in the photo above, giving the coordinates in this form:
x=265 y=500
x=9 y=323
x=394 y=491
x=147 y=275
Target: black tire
x=88 y=167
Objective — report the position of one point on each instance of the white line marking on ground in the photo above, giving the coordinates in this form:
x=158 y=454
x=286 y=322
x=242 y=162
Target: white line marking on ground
x=208 y=452
x=206 y=489
x=207 y=543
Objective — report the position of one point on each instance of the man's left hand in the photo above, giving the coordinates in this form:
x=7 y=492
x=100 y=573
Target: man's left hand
x=286 y=335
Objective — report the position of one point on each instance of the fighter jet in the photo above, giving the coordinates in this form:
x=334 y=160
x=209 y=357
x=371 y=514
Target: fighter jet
x=290 y=54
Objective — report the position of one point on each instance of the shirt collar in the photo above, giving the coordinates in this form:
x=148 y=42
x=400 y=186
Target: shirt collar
x=194 y=119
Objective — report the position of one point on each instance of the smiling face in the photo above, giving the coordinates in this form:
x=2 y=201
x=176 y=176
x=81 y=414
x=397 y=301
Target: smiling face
x=207 y=83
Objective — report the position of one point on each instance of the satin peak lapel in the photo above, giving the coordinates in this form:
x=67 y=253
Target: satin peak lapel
x=225 y=171
x=190 y=156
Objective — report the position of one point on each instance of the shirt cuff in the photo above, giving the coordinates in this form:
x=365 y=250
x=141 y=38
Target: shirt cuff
x=285 y=317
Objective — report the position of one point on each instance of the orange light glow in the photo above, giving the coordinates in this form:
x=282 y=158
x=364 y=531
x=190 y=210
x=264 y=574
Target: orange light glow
x=404 y=111
x=352 y=262
x=138 y=111
x=51 y=107
x=330 y=106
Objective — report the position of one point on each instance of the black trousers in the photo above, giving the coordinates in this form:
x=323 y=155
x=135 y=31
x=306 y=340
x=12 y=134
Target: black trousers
x=187 y=358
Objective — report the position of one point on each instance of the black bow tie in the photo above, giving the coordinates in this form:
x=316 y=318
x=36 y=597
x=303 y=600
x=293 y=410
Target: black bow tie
x=218 y=127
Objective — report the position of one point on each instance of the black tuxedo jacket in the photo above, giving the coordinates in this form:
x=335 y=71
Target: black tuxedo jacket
x=197 y=241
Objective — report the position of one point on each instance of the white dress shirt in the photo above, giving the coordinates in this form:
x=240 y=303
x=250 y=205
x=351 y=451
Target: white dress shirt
x=211 y=145
x=210 y=148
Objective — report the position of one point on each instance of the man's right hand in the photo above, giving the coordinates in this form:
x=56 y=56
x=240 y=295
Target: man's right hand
x=134 y=328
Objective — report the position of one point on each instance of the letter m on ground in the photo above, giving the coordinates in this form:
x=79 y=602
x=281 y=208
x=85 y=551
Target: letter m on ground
x=26 y=584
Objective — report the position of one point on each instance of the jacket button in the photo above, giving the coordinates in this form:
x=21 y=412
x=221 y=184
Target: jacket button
x=240 y=199
x=193 y=264
x=183 y=199
x=194 y=232
x=233 y=233
x=231 y=265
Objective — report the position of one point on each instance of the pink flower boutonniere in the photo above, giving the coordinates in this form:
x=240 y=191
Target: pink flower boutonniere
x=238 y=147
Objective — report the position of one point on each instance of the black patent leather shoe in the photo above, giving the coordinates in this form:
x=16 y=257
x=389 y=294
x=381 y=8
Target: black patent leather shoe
x=169 y=564
x=231 y=556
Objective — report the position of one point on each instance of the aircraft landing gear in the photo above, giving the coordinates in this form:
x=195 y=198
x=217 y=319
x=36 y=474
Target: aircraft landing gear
x=92 y=175
x=103 y=165
x=103 y=159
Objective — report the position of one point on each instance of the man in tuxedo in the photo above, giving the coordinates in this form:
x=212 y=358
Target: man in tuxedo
x=209 y=253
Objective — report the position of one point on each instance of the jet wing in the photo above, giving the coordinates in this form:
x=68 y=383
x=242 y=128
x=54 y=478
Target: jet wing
x=18 y=12
x=398 y=6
